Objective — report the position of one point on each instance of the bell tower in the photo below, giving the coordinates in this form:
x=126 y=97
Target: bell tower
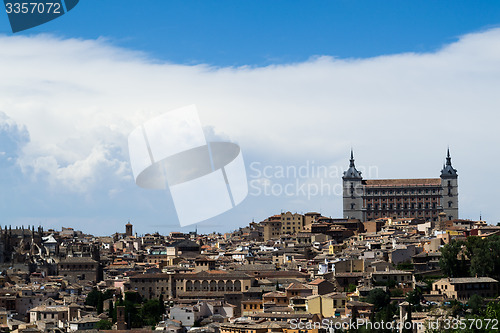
x=128 y=229
x=353 y=192
x=449 y=185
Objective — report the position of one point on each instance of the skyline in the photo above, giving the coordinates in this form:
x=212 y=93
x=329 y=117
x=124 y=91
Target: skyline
x=71 y=92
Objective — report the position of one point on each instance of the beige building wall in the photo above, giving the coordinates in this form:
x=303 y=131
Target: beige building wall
x=153 y=285
x=463 y=288
x=326 y=305
x=350 y=266
x=291 y=223
x=309 y=218
x=272 y=230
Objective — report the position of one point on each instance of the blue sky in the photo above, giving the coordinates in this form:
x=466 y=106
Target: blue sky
x=295 y=83
x=237 y=33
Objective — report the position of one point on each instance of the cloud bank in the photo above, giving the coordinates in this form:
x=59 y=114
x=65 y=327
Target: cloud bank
x=68 y=105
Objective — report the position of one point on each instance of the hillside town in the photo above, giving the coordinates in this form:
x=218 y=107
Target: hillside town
x=268 y=276
x=399 y=259
x=249 y=166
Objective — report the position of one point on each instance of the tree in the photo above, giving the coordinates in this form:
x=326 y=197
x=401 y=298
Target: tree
x=132 y=316
x=96 y=299
x=457 y=308
x=475 y=303
x=405 y=266
x=162 y=305
x=112 y=311
x=475 y=256
x=133 y=297
x=103 y=324
x=351 y=288
x=485 y=256
x=397 y=292
x=449 y=262
x=100 y=303
x=378 y=298
x=414 y=297
x=93 y=297
x=484 y=319
x=386 y=314
x=151 y=312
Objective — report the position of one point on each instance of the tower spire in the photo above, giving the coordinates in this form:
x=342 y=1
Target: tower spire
x=351 y=164
x=448 y=171
x=352 y=173
x=448 y=158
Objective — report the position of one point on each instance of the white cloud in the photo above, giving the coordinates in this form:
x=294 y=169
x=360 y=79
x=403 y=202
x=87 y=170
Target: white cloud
x=79 y=99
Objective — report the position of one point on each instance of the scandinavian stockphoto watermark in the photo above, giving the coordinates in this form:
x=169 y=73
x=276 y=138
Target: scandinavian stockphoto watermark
x=205 y=179
x=26 y=14
x=307 y=180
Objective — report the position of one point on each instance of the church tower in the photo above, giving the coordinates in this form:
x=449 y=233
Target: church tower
x=353 y=192
x=449 y=184
x=128 y=229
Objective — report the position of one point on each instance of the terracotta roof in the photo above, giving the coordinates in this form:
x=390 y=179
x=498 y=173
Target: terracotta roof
x=469 y=280
x=357 y=303
x=214 y=274
x=151 y=276
x=297 y=286
x=335 y=295
x=403 y=182
x=283 y=315
x=274 y=294
x=317 y=281
x=77 y=260
x=207 y=294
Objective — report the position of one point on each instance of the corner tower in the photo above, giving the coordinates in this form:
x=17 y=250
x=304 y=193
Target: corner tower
x=449 y=184
x=352 y=192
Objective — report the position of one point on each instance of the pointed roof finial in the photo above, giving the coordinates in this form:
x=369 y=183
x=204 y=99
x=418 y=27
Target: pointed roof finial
x=448 y=171
x=352 y=173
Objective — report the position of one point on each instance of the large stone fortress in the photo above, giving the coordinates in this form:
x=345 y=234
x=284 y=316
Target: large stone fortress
x=368 y=199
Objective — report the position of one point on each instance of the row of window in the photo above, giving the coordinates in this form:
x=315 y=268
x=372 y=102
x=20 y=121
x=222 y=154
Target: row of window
x=73 y=266
x=412 y=191
x=150 y=280
x=474 y=286
x=402 y=199
x=252 y=306
x=406 y=214
x=401 y=206
x=401 y=278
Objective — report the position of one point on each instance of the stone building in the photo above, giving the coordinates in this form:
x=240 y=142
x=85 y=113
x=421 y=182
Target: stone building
x=16 y=245
x=272 y=228
x=153 y=285
x=463 y=288
x=369 y=199
x=76 y=269
x=128 y=229
x=291 y=223
x=213 y=281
